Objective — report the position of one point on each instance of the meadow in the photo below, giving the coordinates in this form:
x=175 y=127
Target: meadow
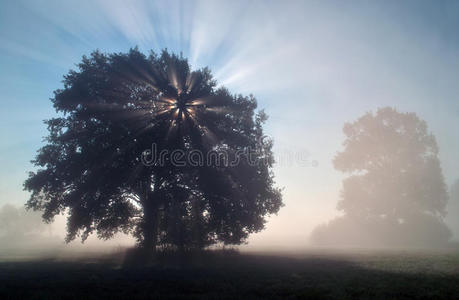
x=318 y=274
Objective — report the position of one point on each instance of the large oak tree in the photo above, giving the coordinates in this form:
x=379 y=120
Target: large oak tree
x=111 y=111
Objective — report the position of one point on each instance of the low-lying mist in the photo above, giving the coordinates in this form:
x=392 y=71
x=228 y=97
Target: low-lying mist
x=24 y=236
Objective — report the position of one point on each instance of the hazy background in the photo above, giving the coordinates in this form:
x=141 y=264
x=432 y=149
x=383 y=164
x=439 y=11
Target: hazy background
x=312 y=65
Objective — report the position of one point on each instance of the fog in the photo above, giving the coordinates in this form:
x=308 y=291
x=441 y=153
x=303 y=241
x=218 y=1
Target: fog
x=452 y=217
x=24 y=236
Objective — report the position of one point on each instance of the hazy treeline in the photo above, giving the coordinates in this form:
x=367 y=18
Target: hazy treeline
x=23 y=232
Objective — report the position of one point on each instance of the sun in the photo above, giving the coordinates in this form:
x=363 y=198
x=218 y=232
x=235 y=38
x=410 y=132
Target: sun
x=180 y=107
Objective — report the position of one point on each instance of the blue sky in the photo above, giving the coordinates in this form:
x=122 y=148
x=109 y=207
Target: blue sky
x=313 y=65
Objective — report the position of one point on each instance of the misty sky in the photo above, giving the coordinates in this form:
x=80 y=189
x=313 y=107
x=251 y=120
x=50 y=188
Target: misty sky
x=312 y=65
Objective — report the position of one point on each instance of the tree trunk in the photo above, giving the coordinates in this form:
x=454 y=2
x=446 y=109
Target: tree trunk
x=150 y=230
x=150 y=222
x=197 y=229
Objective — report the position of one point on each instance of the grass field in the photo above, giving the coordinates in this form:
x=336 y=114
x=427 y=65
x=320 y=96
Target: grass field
x=311 y=274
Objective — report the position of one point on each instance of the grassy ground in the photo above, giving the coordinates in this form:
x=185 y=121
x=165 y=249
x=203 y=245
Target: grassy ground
x=316 y=274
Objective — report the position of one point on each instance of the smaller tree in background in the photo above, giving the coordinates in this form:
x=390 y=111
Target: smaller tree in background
x=395 y=192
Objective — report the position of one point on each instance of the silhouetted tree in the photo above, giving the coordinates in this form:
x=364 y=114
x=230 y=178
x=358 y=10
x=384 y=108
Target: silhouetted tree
x=395 y=193
x=114 y=109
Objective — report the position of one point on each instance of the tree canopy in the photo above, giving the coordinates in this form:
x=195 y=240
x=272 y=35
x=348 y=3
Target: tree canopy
x=395 y=191
x=113 y=111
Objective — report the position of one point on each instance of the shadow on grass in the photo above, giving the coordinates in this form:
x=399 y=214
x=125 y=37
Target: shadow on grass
x=216 y=274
